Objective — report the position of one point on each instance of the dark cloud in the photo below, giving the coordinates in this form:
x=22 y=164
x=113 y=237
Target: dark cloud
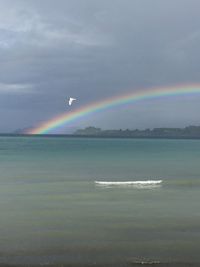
x=94 y=49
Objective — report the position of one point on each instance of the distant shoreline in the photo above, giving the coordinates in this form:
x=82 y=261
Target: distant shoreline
x=189 y=132
x=99 y=136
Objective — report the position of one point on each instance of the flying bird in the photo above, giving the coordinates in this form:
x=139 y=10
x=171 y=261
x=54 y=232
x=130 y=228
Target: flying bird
x=71 y=100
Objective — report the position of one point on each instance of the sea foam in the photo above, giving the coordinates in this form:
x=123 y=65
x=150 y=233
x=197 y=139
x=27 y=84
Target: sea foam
x=137 y=184
x=147 y=182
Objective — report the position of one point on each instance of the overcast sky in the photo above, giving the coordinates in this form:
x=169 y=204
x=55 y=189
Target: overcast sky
x=94 y=49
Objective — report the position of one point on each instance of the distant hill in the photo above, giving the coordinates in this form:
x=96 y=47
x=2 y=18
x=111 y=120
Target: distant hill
x=187 y=132
x=22 y=130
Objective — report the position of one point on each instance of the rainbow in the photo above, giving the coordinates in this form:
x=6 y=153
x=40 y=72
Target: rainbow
x=139 y=95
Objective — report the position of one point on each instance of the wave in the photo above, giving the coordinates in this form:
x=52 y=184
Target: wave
x=147 y=182
x=137 y=184
x=163 y=264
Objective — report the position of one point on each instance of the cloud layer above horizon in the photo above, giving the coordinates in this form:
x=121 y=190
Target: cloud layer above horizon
x=94 y=49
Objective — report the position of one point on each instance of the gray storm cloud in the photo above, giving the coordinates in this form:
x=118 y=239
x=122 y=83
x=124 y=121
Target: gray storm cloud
x=92 y=50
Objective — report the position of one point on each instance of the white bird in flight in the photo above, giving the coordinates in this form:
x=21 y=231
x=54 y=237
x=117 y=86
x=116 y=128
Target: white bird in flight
x=71 y=100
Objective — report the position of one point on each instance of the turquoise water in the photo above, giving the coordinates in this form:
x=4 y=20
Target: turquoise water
x=52 y=211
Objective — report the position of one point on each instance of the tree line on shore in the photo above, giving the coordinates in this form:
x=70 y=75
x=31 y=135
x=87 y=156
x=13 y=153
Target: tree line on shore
x=187 y=132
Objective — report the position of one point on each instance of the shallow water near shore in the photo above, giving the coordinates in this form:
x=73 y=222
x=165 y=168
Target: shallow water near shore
x=52 y=211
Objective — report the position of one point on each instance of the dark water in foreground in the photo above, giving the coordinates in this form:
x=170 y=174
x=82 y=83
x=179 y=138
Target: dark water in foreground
x=52 y=212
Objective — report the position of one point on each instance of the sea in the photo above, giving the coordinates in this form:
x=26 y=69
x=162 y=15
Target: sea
x=54 y=211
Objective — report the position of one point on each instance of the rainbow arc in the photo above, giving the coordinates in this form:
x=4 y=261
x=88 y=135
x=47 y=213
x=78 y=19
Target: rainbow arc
x=139 y=95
